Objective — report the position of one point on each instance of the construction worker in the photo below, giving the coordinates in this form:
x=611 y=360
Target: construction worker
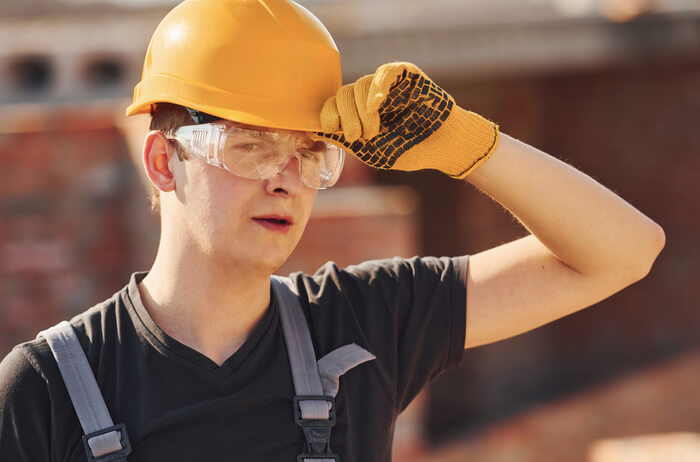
x=198 y=359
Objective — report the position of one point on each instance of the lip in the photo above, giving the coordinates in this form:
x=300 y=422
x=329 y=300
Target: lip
x=276 y=223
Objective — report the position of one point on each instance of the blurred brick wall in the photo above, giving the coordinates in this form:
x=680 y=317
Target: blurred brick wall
x=72 y=226
x=633 y=128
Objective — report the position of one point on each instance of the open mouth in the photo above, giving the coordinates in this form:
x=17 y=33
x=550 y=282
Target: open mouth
x=278 y=221
x=274 y=223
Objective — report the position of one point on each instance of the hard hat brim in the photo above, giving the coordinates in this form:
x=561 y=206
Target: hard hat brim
x=266 y=112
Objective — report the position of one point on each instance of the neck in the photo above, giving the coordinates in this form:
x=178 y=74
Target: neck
x=205 y=304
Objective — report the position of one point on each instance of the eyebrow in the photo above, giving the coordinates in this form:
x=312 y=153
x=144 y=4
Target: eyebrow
x=255 y=133
x=261 y=132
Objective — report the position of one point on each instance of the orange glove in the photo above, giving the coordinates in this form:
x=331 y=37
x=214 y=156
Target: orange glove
x=399 y=119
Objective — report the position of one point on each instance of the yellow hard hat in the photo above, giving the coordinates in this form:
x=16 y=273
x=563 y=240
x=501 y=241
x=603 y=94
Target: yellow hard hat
x=262 y=62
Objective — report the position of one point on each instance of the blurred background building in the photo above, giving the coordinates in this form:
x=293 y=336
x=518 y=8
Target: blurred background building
x=610 y=86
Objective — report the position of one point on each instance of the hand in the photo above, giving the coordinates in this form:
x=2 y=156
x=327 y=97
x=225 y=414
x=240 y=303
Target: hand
x=399 y=119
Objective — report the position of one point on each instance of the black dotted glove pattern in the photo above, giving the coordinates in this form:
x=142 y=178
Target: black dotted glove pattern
x=415 y=108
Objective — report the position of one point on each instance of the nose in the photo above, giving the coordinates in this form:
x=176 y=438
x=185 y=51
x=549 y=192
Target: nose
x=288 y=180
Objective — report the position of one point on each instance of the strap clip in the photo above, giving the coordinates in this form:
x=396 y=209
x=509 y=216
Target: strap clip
x=115 y=456
x=316 y=431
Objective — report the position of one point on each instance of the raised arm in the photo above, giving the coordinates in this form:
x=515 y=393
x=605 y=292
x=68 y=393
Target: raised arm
x=586 y=244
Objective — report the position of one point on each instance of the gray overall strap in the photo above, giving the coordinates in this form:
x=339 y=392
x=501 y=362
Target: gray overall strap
x=315 y=383
x=103 y=440
x=302 y=358
x=313 y=412
x=337 y=363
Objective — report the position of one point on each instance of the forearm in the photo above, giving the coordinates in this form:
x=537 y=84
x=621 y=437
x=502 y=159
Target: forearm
x=582 y=223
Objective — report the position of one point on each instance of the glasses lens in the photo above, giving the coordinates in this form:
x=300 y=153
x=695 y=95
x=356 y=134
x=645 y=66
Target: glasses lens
x=252 y=154
x=259 y=155
x=320 y=165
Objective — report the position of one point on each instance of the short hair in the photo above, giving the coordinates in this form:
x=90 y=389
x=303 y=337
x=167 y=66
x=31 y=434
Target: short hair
x=166 y=117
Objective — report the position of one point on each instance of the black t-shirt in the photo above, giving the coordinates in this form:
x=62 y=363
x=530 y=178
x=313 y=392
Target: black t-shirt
x=178 y=405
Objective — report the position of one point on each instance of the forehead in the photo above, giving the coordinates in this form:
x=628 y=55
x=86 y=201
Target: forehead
x=257 y=130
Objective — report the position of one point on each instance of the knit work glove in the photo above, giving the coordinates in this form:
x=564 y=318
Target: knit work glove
x=399 y=119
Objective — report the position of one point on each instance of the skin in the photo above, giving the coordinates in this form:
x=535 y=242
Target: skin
x=209 y=284
x=208 y=290
x=586 y=243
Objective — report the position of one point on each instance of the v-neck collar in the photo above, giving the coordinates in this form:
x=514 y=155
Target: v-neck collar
x=147 y=327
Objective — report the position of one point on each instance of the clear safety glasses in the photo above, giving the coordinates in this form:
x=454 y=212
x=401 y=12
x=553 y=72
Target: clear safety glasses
x=260 y=154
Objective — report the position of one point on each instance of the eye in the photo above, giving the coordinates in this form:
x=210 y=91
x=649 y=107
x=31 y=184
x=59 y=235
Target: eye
x=318 y=146
x=310 y=155
x=248 y=147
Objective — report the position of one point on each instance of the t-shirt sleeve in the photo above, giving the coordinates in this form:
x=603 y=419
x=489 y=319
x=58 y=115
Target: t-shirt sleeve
x=411 y=313
x=24 y=411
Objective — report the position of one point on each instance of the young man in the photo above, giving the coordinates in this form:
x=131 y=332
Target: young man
x=249 y=120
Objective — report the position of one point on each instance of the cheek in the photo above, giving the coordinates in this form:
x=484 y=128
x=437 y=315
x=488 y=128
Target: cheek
x=206 y=197
x=307 y=203
x=308 y=199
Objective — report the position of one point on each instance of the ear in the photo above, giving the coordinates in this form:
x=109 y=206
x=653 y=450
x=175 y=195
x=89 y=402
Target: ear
x=156 y=155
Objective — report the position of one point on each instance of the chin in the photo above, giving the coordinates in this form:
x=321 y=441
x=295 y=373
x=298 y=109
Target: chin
x=274 y=261
x=267 y=259
x=265 y=266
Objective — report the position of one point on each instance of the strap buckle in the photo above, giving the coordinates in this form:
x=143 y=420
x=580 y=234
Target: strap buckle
x=316 y=431
x=115 y=456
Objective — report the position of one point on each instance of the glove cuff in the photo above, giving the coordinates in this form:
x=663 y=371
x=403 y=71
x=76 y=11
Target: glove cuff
x=469 y=139
x=463 y=142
